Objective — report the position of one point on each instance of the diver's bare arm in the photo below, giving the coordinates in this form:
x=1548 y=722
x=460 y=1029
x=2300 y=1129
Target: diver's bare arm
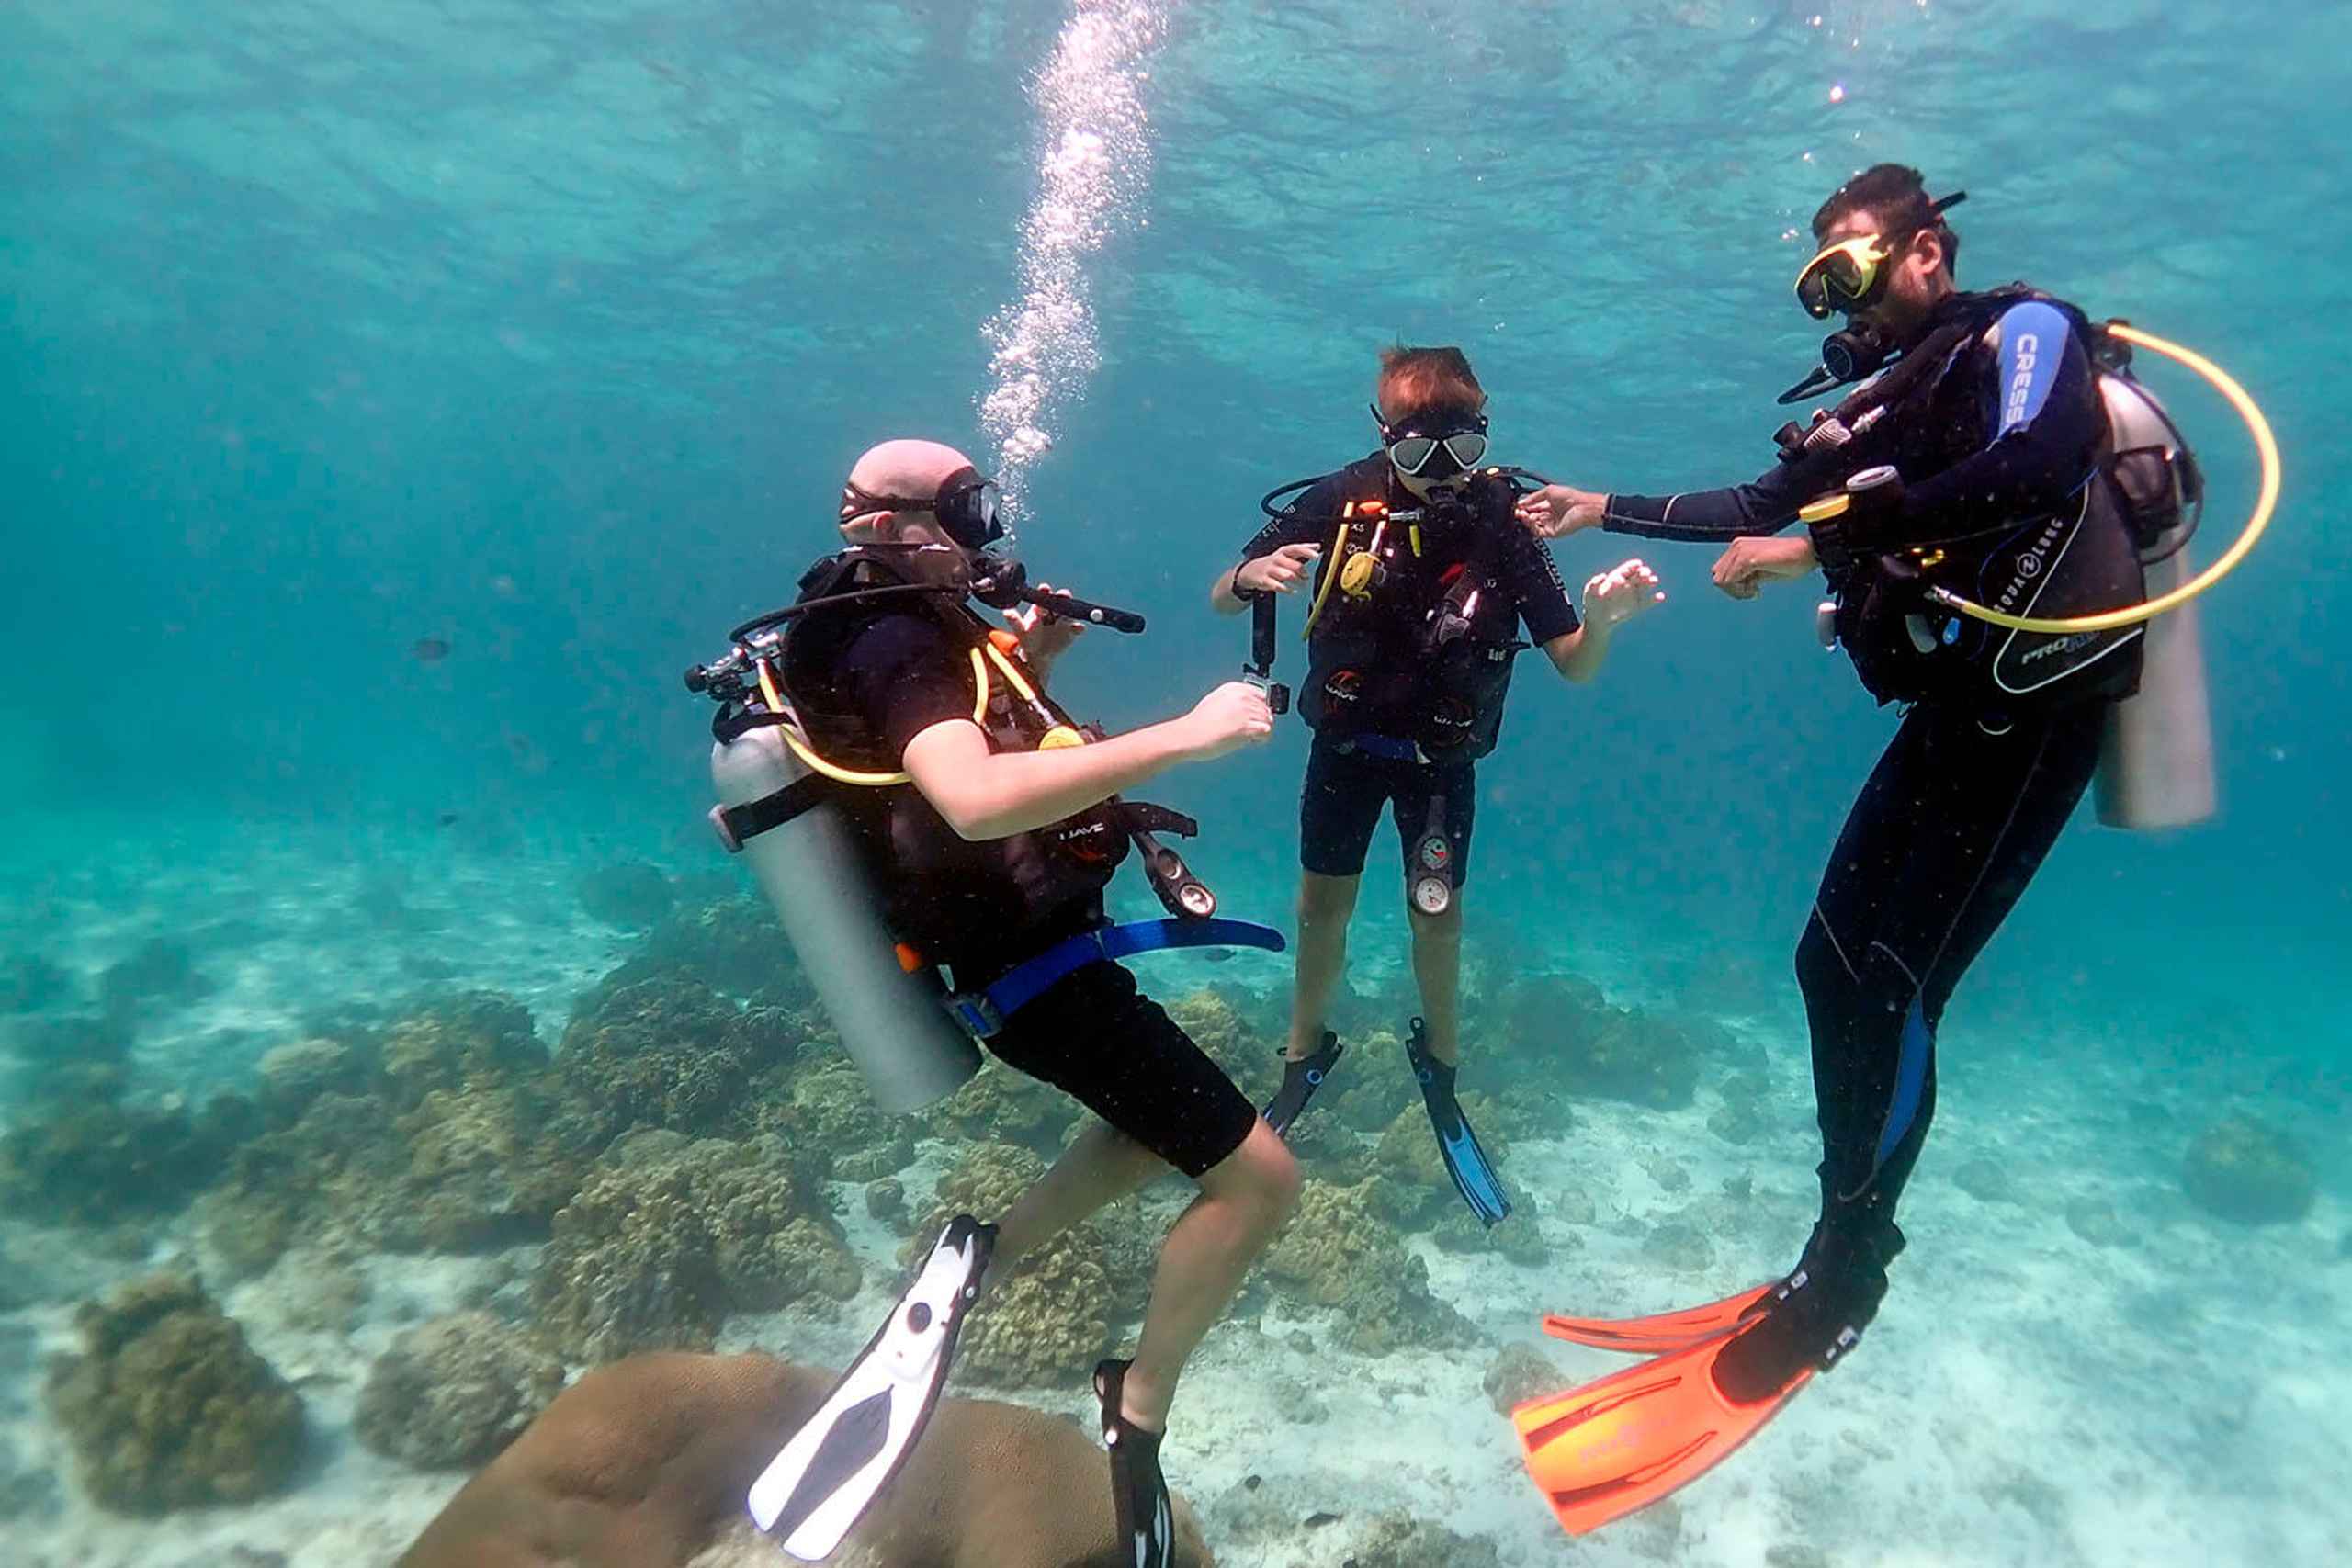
x=1222 y=598
x=990 y=794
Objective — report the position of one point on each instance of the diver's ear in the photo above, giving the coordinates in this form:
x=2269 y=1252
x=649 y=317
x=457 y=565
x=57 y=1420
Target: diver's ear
x=1927 y=253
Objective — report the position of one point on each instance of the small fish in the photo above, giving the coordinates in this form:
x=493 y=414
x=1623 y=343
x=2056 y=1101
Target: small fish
x=1216 y=955
x=449 y=818
x=428 y=650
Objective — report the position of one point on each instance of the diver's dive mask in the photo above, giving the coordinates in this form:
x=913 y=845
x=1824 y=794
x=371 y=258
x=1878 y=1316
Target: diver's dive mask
x=967 y=507
x=1852 y=274
x=1434 y=445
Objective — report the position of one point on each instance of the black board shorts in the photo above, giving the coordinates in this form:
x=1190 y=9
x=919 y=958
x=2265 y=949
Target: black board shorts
x=1096 y=1037
x=1339 y=808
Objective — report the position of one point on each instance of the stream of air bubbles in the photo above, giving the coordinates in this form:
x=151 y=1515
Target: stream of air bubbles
x=1094 y=163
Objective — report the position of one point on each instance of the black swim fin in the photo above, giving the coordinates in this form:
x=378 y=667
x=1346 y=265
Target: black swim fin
x=1473 y=1172
x=1138 y=1490
x=1301 y=1078
x=814 y=1491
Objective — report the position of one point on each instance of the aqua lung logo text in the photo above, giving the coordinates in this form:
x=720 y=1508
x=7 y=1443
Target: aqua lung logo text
x=2030 y=561
x=2021 y=380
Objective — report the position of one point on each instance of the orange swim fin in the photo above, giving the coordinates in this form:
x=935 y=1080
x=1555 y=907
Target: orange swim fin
x=1599 y=1453
x=1667 y=1331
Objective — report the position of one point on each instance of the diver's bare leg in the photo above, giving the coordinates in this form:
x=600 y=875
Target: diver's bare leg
x=1437 y=970
x=1325 y=905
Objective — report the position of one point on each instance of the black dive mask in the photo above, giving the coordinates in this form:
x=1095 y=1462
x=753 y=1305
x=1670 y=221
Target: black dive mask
x=966 y=507
x=1436 y=445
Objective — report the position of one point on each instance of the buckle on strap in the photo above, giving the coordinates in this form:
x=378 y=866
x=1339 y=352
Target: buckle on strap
x=976 y=1013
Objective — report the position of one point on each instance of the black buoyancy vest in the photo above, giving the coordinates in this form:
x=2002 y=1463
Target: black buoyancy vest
x=1380 y=664
x=954 y=900
x=2076 y=558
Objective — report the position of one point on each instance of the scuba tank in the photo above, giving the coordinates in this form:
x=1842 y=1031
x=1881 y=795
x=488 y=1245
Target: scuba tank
x=907 y=1047
x=2156 y=763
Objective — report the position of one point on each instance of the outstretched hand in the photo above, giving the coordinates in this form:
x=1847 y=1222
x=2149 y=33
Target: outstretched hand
x=1751 y=562
x=1613 y=597
x=1556 y=510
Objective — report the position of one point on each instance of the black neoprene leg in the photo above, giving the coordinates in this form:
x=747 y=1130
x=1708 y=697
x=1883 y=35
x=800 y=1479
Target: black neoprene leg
x=1952 y=826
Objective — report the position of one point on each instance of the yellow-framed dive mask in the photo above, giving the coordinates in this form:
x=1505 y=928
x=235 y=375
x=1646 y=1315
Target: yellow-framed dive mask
x=1845 y=277
x=1852 y=274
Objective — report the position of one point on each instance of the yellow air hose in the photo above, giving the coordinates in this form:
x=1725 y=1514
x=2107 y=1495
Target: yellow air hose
x=1330 y=580
x=794 y=738
x=2266 y=446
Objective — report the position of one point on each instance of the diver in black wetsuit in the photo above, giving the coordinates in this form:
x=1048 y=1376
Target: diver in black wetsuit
x=1991 y=417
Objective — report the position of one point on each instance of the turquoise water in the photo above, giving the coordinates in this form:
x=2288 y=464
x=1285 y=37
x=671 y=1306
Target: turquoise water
x=547 y=332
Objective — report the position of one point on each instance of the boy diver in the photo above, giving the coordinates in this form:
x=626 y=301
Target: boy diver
x=1979 y=459
x=990 y=848
x=1424 y=583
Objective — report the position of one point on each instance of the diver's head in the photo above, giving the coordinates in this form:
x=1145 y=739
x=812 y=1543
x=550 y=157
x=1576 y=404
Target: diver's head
x=1885 y=255
x=913 y=493
x=1431 y=414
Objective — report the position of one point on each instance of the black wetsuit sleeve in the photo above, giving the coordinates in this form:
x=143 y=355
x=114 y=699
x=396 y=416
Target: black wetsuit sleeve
x=2046 y=422
x=1306 y=521
x=1766 y=505
x=904 y=673
x=1534 y=577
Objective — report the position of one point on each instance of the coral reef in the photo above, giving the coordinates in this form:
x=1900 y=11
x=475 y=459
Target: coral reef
x=2249 y=1173
x=83 y=1151
x=1337 y=1253
x=669 y=1052
x=456 y=1042
x=453 y=1391
x=644 y=1464
x=628 y=893
x=438 y=1133
x=1592 y=1048
x=822 y=1110
x=168 y=1407
x=1008 y=1106
x=669 y=1234
x=293 y=1074
x=731 y=944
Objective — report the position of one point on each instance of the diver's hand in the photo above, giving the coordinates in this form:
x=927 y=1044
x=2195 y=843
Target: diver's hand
x=1613 y=597
x=1280 y=572
x=1559 y=510
x=1228 y=718
x=1753 y=560
x=1044 y=636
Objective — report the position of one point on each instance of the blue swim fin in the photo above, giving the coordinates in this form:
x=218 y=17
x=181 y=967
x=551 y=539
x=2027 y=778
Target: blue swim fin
x=1473 y=1174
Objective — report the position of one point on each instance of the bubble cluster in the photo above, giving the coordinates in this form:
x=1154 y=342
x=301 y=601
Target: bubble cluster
x=1094 y=163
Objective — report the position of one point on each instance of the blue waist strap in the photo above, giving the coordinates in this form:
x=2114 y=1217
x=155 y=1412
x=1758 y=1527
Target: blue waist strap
x=984 y=1014
x=1387 y=747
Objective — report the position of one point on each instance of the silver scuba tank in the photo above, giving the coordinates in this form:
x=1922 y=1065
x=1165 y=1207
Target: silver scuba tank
x=2156 y=760
x=891 y=1020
